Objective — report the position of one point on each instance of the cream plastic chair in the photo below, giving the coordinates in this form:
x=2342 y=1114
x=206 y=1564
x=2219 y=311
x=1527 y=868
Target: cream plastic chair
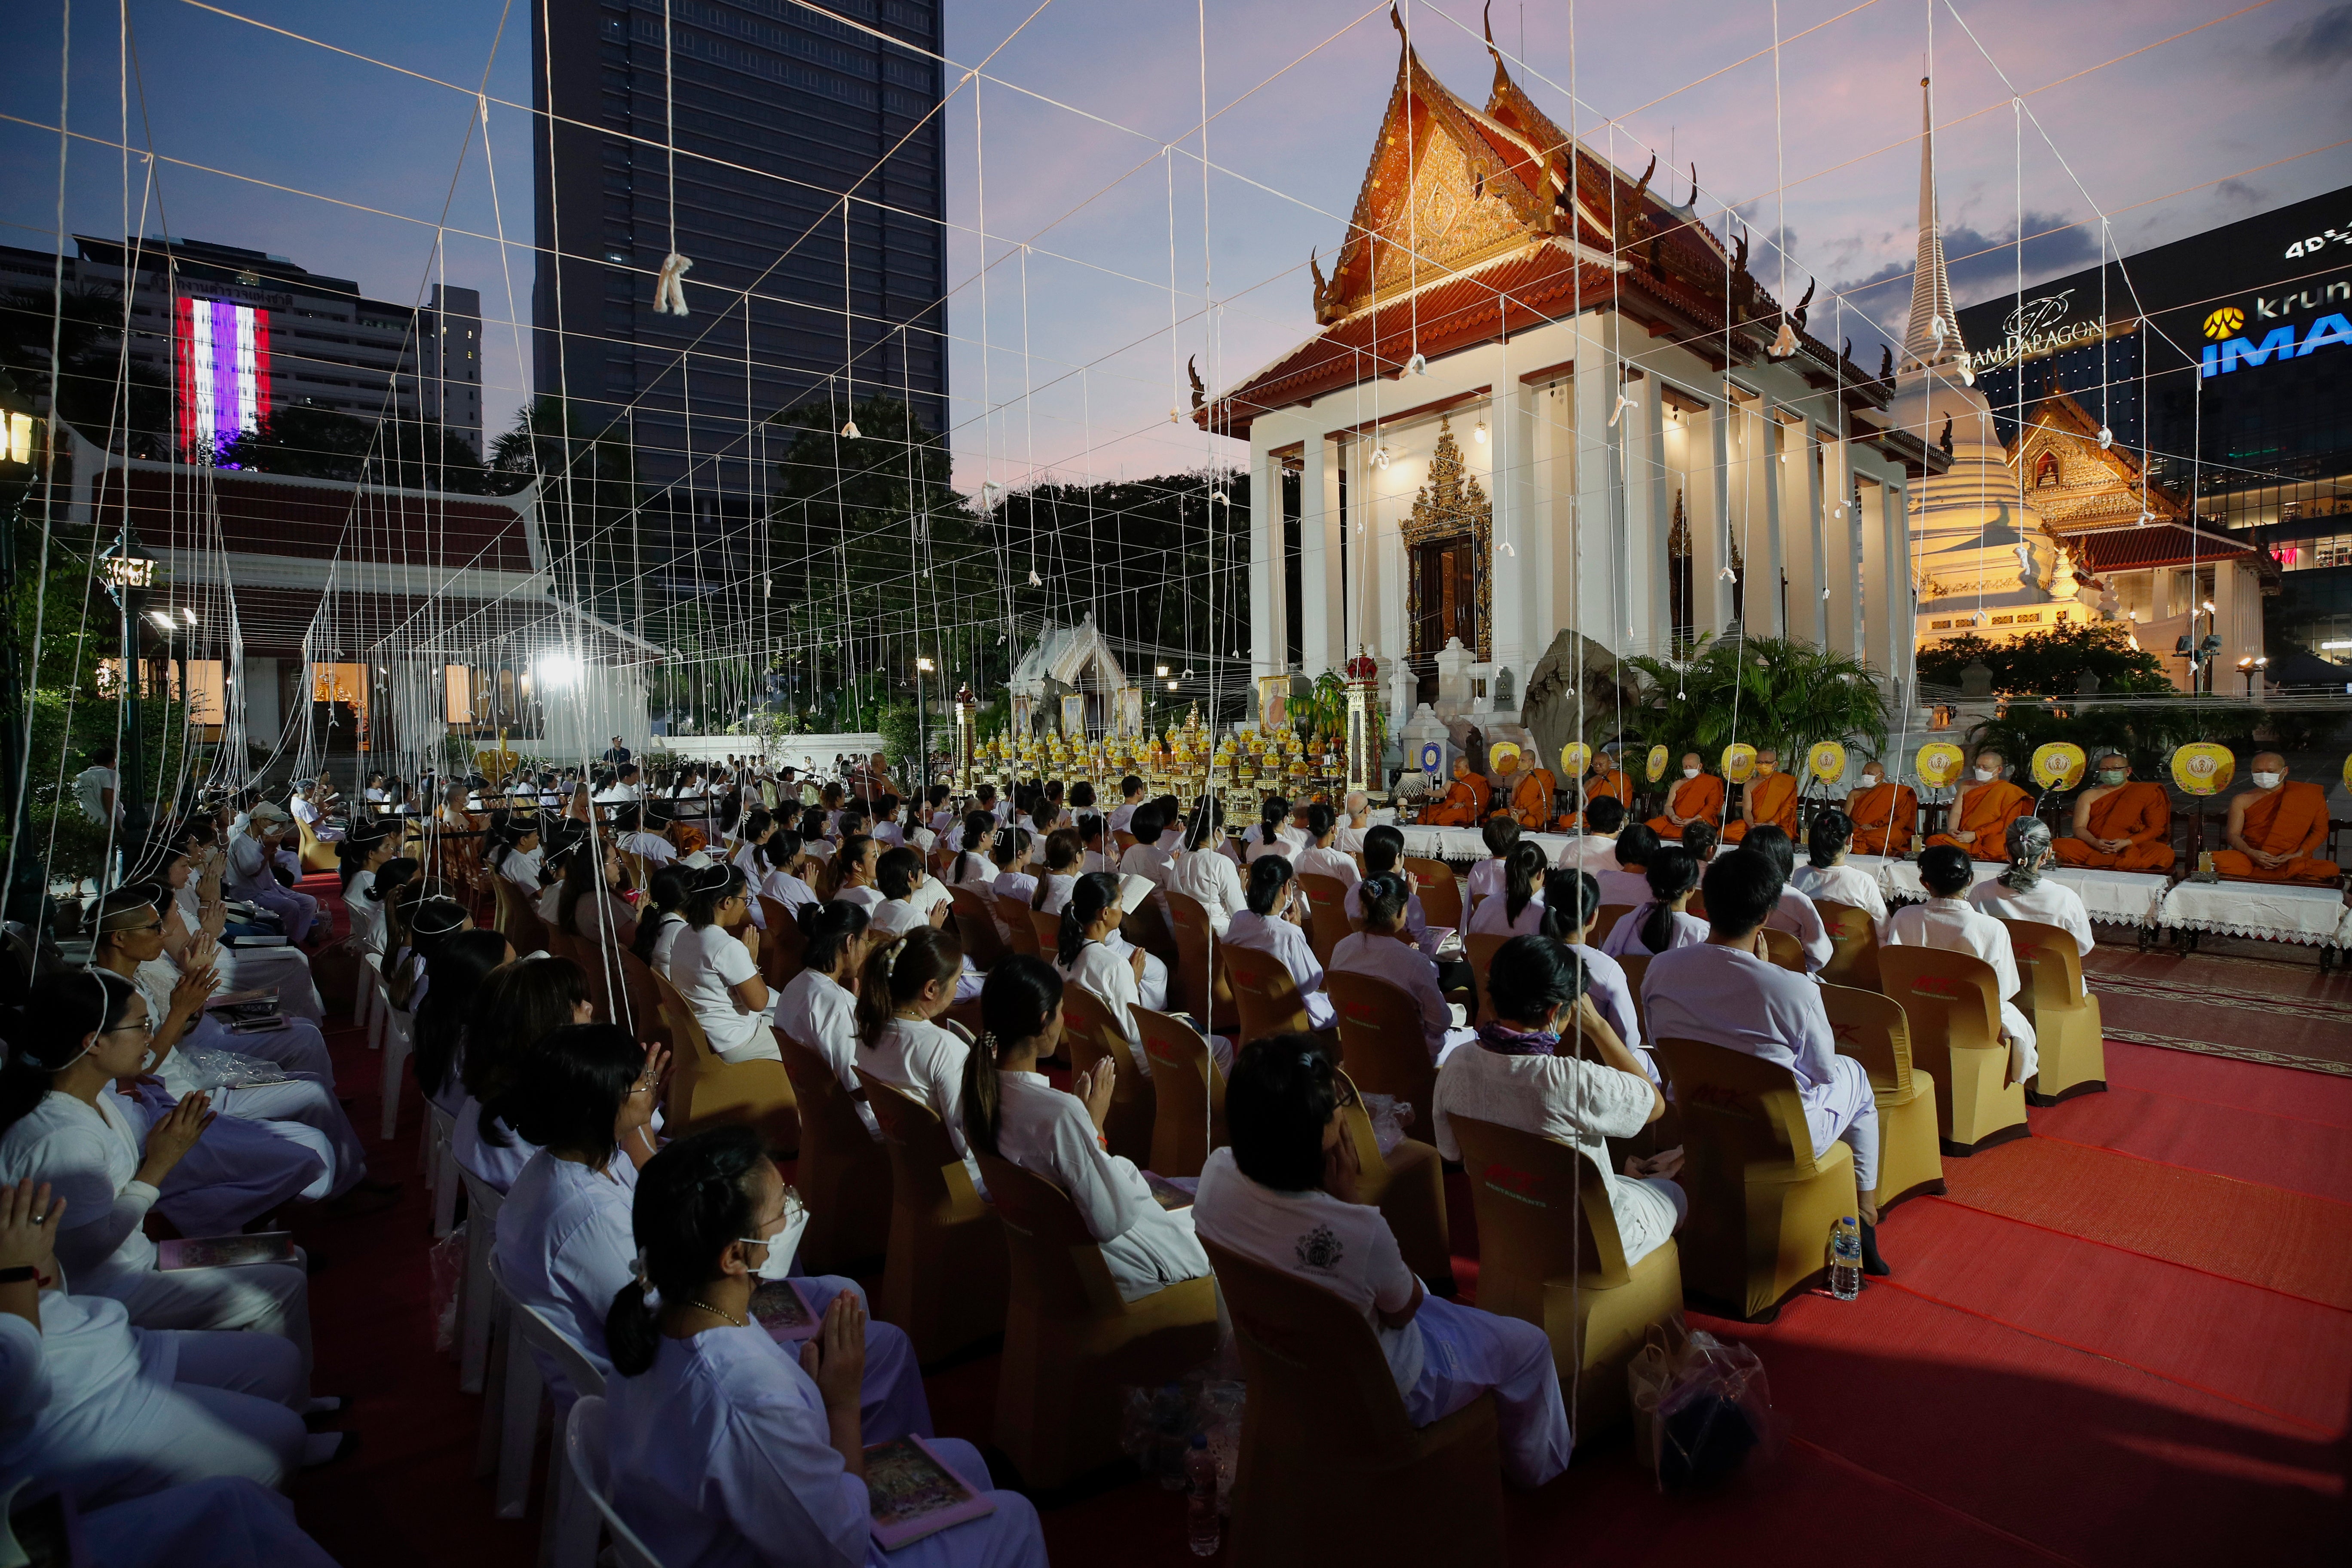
x=1952 y=1002
x=569 y=1537
x=1327 y=913
x=1188 y=1094
x=1381 y=1042
x=705 y=1092
x=2069 y=1038
x=1854 y=945
x=944 y=1278
x=1439 y=891
x=843 y=1171
x=1089 y=1034
x=441 y=1167
x=1873 y=1029
x=585 y=1455
x=1407 y=1185
x=478 y=1297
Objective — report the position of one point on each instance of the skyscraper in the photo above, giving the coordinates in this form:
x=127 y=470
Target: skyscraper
x=729 y=132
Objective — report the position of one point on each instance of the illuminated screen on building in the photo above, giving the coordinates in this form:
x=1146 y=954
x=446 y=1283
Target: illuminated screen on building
x=224 y=361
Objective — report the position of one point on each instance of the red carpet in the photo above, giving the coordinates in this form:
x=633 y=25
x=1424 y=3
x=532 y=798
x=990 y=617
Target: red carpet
x=2291 y=1152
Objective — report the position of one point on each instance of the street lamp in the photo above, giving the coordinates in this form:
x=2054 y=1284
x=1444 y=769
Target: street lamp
x=2247 y=666
x=21 y=433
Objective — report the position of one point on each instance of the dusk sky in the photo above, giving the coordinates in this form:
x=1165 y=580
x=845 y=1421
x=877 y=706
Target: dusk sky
x=2167 y=116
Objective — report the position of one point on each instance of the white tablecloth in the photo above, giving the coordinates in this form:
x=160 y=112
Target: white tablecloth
x=1460 y=845
x=2314 y=917
x=2111 y=898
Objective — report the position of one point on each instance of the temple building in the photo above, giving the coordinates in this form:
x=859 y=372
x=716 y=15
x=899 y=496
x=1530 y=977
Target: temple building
x=1541 y=396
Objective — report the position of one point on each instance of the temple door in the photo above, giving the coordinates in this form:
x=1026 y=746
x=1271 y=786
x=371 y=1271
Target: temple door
x=1444 y=594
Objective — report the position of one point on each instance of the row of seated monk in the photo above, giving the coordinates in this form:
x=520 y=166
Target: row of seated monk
x=2273 y=832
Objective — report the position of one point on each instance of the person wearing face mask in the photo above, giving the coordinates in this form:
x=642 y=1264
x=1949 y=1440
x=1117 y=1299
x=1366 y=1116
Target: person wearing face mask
x=1604 y=781
x=2274 y=827
x=1697 y=798
x=1464 y=804
x=2120 y=825
x=1983 y=810
x=1886 y=815
x=1771 y=797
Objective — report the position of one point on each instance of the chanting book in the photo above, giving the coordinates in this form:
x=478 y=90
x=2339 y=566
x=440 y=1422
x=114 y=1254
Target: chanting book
x=912 y=1493
x=779 y=1307
x=225 y=1251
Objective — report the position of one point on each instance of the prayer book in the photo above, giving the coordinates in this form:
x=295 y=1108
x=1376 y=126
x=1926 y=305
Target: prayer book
x=912 y=1493
x=779 y=1307
x=1132 y=890
x=225 y=1251
x=1170 y=1193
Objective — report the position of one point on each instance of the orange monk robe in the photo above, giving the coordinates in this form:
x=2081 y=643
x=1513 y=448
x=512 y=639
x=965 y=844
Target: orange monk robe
x=2137 y=810
x=1532 y=798
x=2290 y=820
x=1464 y=804
x=1700 y=798
x=1886 y=819
x=1774 y=796
x=1615 y=786
x=1988 y=812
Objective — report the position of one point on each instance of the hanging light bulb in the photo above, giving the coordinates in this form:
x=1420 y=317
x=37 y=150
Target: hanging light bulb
x=1418 y=364
x=1480 y=432
x=849 y=430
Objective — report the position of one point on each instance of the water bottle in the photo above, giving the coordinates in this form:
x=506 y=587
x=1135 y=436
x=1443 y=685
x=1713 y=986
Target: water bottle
x=1201 y=1525
x=1845 y=1259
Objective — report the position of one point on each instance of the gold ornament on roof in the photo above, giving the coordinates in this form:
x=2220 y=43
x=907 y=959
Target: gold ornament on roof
x=1451 y=504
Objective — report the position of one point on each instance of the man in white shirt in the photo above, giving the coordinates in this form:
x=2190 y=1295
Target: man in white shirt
x=1595 y=849
x=98 y=788
x=1725 y=991
x=631 y=838
x=1130 y=789
x=2025 y=892
x=1628 y=882
x=1145 y=857
x=1947 y=920
x=624 y=787
x=304 y=804
x=1355 y=821
x=250 y=858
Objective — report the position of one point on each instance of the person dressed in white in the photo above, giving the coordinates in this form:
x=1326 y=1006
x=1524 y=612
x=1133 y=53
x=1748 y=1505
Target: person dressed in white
x=1270 y=924
x=1517 y=1076
x=1726 y=992
x=304 y=804
x=1323 y=858
x=717 y=973
x=907 y=984
x=1662 y=921
x=779 y=878
x=1014 y=883
x=364 y=855
x=853 y=870
x=1795 y=913
x=1145 y=857
x=628 y=823
x=1085 y=954
x=725 y=1448
x=1355 y=821
x=1013 y=1112
x=817 y=1009
x=1206 y=876
x=1275 y=835
x=1384 y=851
x=515 y=855
x=1130 y=790
x=98 y=788
x=1284 y=1194
x=1827 y=877
x=198 y=911
x=1628 y=882
x=251 y=853
x=2024 y=893
x=1384 y=950
x=1518 y=909
x=1486 y=878
x=1949 y=922
x=1572 y=910
x=660 y=922
x=1595 y=848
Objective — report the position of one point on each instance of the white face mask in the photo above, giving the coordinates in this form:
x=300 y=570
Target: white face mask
x=1690 y=773
x=1871 y=781
x=1986 y=775
x=2267 y=781
x=785 y=1243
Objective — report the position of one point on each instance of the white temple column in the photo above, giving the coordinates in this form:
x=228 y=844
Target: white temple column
x=1268 y=483
x=1882 y=577
x=1592 y=525
x=1903 y=594
x=1841 y=549
x=1754 y=518
x=1265 y=565
x=1319 y=598
x=1652 y=526
x=1704 y=499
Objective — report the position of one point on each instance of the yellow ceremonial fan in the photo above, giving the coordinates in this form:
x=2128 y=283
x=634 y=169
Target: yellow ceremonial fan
x=1500 y=753
x=2059 y=764
x=1574 y=758
x=2347 y=772
x=1939 y=764
x=2201 y=767
x=1656 y=764
x=1738 y=762
x=1826 y=761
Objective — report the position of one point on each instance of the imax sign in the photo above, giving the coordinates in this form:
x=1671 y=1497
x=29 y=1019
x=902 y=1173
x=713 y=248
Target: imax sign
x=2281 y=342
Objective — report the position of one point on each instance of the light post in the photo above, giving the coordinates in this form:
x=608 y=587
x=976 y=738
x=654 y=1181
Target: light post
x=21 y=454
x=2249 y=667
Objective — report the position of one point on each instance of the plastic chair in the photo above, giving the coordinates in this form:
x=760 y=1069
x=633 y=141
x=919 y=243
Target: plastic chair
x=945 y=1279
x=569 y=1538
x=1326 y=907
x=1784 y=949
x=1264 y=994
x=642 y=999
x=1324 y=1422
x=982 y=942
x=1381 y=1041
x=1090 y=1034
x=1196 y=946
x=516 y=919
x=1952 y=1001
x=782 y=945
x=441 y=1167
x=1549 y=1254
x=1070 y=1341
x=1440 y=893
x=587 y=1456
x=843 y=1170
x=2069 y=1038
x=1048 y=931
x=1636 y=966
x=1013 y=914
x=1407 y=1185
x=1854 y=945
x=1605 y=920
x=477 y=1307
x=1762 y=1205
x=363 y=996
x=317 y=855
x=1148 y=927
x=704 y=1091
x=1873 y=1031
x=1188 y=1094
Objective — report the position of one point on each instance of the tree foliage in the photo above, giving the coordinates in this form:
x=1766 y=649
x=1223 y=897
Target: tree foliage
x=1767 y=691
x=2050 y=663
x=404 y=454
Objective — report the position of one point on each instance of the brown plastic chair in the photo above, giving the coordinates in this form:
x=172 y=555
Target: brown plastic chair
x=1549 y=1254
x=1854 y=945
x=1873 y=1031
x=1195 y=942
x=1121 y=841
x=1330 y=1468
x=1327 y=910
x=1481 y=948
x=1188 y=1094
x=945 y=1280
x=1071 y=1346
x=516 y=919
x=1953 y=1003
x=1147 y=927
x=639 y=999
x=1048 y=929
x=1762 y=1205
x=1090 y=1034
x=1605 y=919
x=782 y=945
x=1015 y=913
x=843 y=1171
x=976 y=924
x=1440 y=894
x=590 y=957
x=1636 y=966
x=1407 y=1185
x=1784 y=949
x=704 y=1091
x=1381 y=1041
x=317 y=855
x=1264 y=994
x=2069 y=1038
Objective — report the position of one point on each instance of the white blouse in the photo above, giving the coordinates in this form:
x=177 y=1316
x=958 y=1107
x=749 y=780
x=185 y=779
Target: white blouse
x=565 y=1247
x=927 y=1061
x=1043 y=1130
x=1109 y=974
x=706 y=965
x=89 y=1156
x=1288 y=943
x=1210 y=878
x=1625 y=940
x=1411 y=971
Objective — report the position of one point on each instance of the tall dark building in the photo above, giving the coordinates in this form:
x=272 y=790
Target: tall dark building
x=779 y=112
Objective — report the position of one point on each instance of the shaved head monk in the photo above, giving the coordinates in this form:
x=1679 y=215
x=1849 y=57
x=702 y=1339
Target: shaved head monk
x=1529 y=787
x=2274 y=827
x=1886 y=815
x=1697 y=798
x=1771 y=797
x=1981 y=816
x=2120 y=824
x=1605 y=780
x=1464 y=804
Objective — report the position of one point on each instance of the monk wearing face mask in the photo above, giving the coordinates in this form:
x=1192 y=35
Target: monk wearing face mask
x=1770 y=800
x=1886 y=815
x=2120 y=824
x=1697 y=798
x=1984 y=810
x=2274 y=828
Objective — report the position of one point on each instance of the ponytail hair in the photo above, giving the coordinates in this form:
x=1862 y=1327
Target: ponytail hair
x=1385 y=896
x=1320 y=821
x=350 y=854
x=827 y=928
x=1096 y=891
x=708 y=888
x=665 y=892
x=977 y=826
x=1010 y=845
x=1673 y=872
x=899 y=971
x=1021 y=997
x=779 y=851
x=694 y=1199
x=1267 y=873
x=1063 y=851
x=44 y=1035
x=1826 y=839
x=1522 y=873
x=1270 y=820
x=1572 y=898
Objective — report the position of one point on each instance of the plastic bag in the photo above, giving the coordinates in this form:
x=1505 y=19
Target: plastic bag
x=1157 y=1425
x=218 y=1068
x=447 y=1270
x=1389 y=1118
x=1715 y=1409
x=1647 y=1377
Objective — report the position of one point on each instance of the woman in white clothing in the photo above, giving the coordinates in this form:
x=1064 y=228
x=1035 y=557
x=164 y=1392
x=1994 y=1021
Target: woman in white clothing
x=661 y=919
x=1065 y=856
x=1270 y=924
x=1083 y=952
x=1012 y=881
x=779 y=878
x=1384 y=851
x=1949 y=922
x=1275 y=835
x=717 y=971
x=853 y=870
x=726 y=1448
x=1660 y=924
x=817 y=1008
x=1827 y=876
x=971 y=866
x=520 y=1004
x=1384 y=952
x=357 y=860
x=77 y=1033
x=906 y=986
x=515 y=854
x=192 y=873
x=1204 y=874
x=1323 y=858
x=587 y=901
x=460 y=963
x=1516 y=909
x=1010 y=1110
x=1486 y=878
x=1572 y=910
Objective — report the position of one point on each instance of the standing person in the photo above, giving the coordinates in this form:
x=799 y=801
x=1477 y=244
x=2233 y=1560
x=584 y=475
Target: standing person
x=1947 y=920
x=616 y=755
x=1827 y=876
x=98 y=788
x=2023 y=893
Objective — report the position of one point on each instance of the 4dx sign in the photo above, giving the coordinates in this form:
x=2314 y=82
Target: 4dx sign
x=2221 y=358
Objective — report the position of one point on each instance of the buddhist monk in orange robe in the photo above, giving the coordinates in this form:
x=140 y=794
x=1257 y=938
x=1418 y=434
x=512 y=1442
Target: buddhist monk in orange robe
x=1981 y=816
x=1698 y=798
x=1464 y=804
x=2273 y=827
x=1529 y=794
x=2122 y=825
x=1771 y=797
x=1602 y=781
x=1886 y=815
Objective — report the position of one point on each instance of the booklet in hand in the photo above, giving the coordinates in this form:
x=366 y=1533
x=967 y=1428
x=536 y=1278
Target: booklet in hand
x=225 y=1251
x=779 y=1307
x=912 y=1493
x=1132 y=890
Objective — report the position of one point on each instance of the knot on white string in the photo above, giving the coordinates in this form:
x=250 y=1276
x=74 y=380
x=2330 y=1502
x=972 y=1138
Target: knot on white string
x=849 y=430
x=1785 y=342
x=1035 y=581
x=670 y=289
x=1729 y=575
x=2106 y=438
x=1418 y=364
x=1624 y=402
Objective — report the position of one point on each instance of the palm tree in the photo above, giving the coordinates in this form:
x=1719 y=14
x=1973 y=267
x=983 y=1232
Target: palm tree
x=1767 y=691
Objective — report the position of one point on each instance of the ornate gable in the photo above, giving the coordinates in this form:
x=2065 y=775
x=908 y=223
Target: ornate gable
x=2072 y=481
